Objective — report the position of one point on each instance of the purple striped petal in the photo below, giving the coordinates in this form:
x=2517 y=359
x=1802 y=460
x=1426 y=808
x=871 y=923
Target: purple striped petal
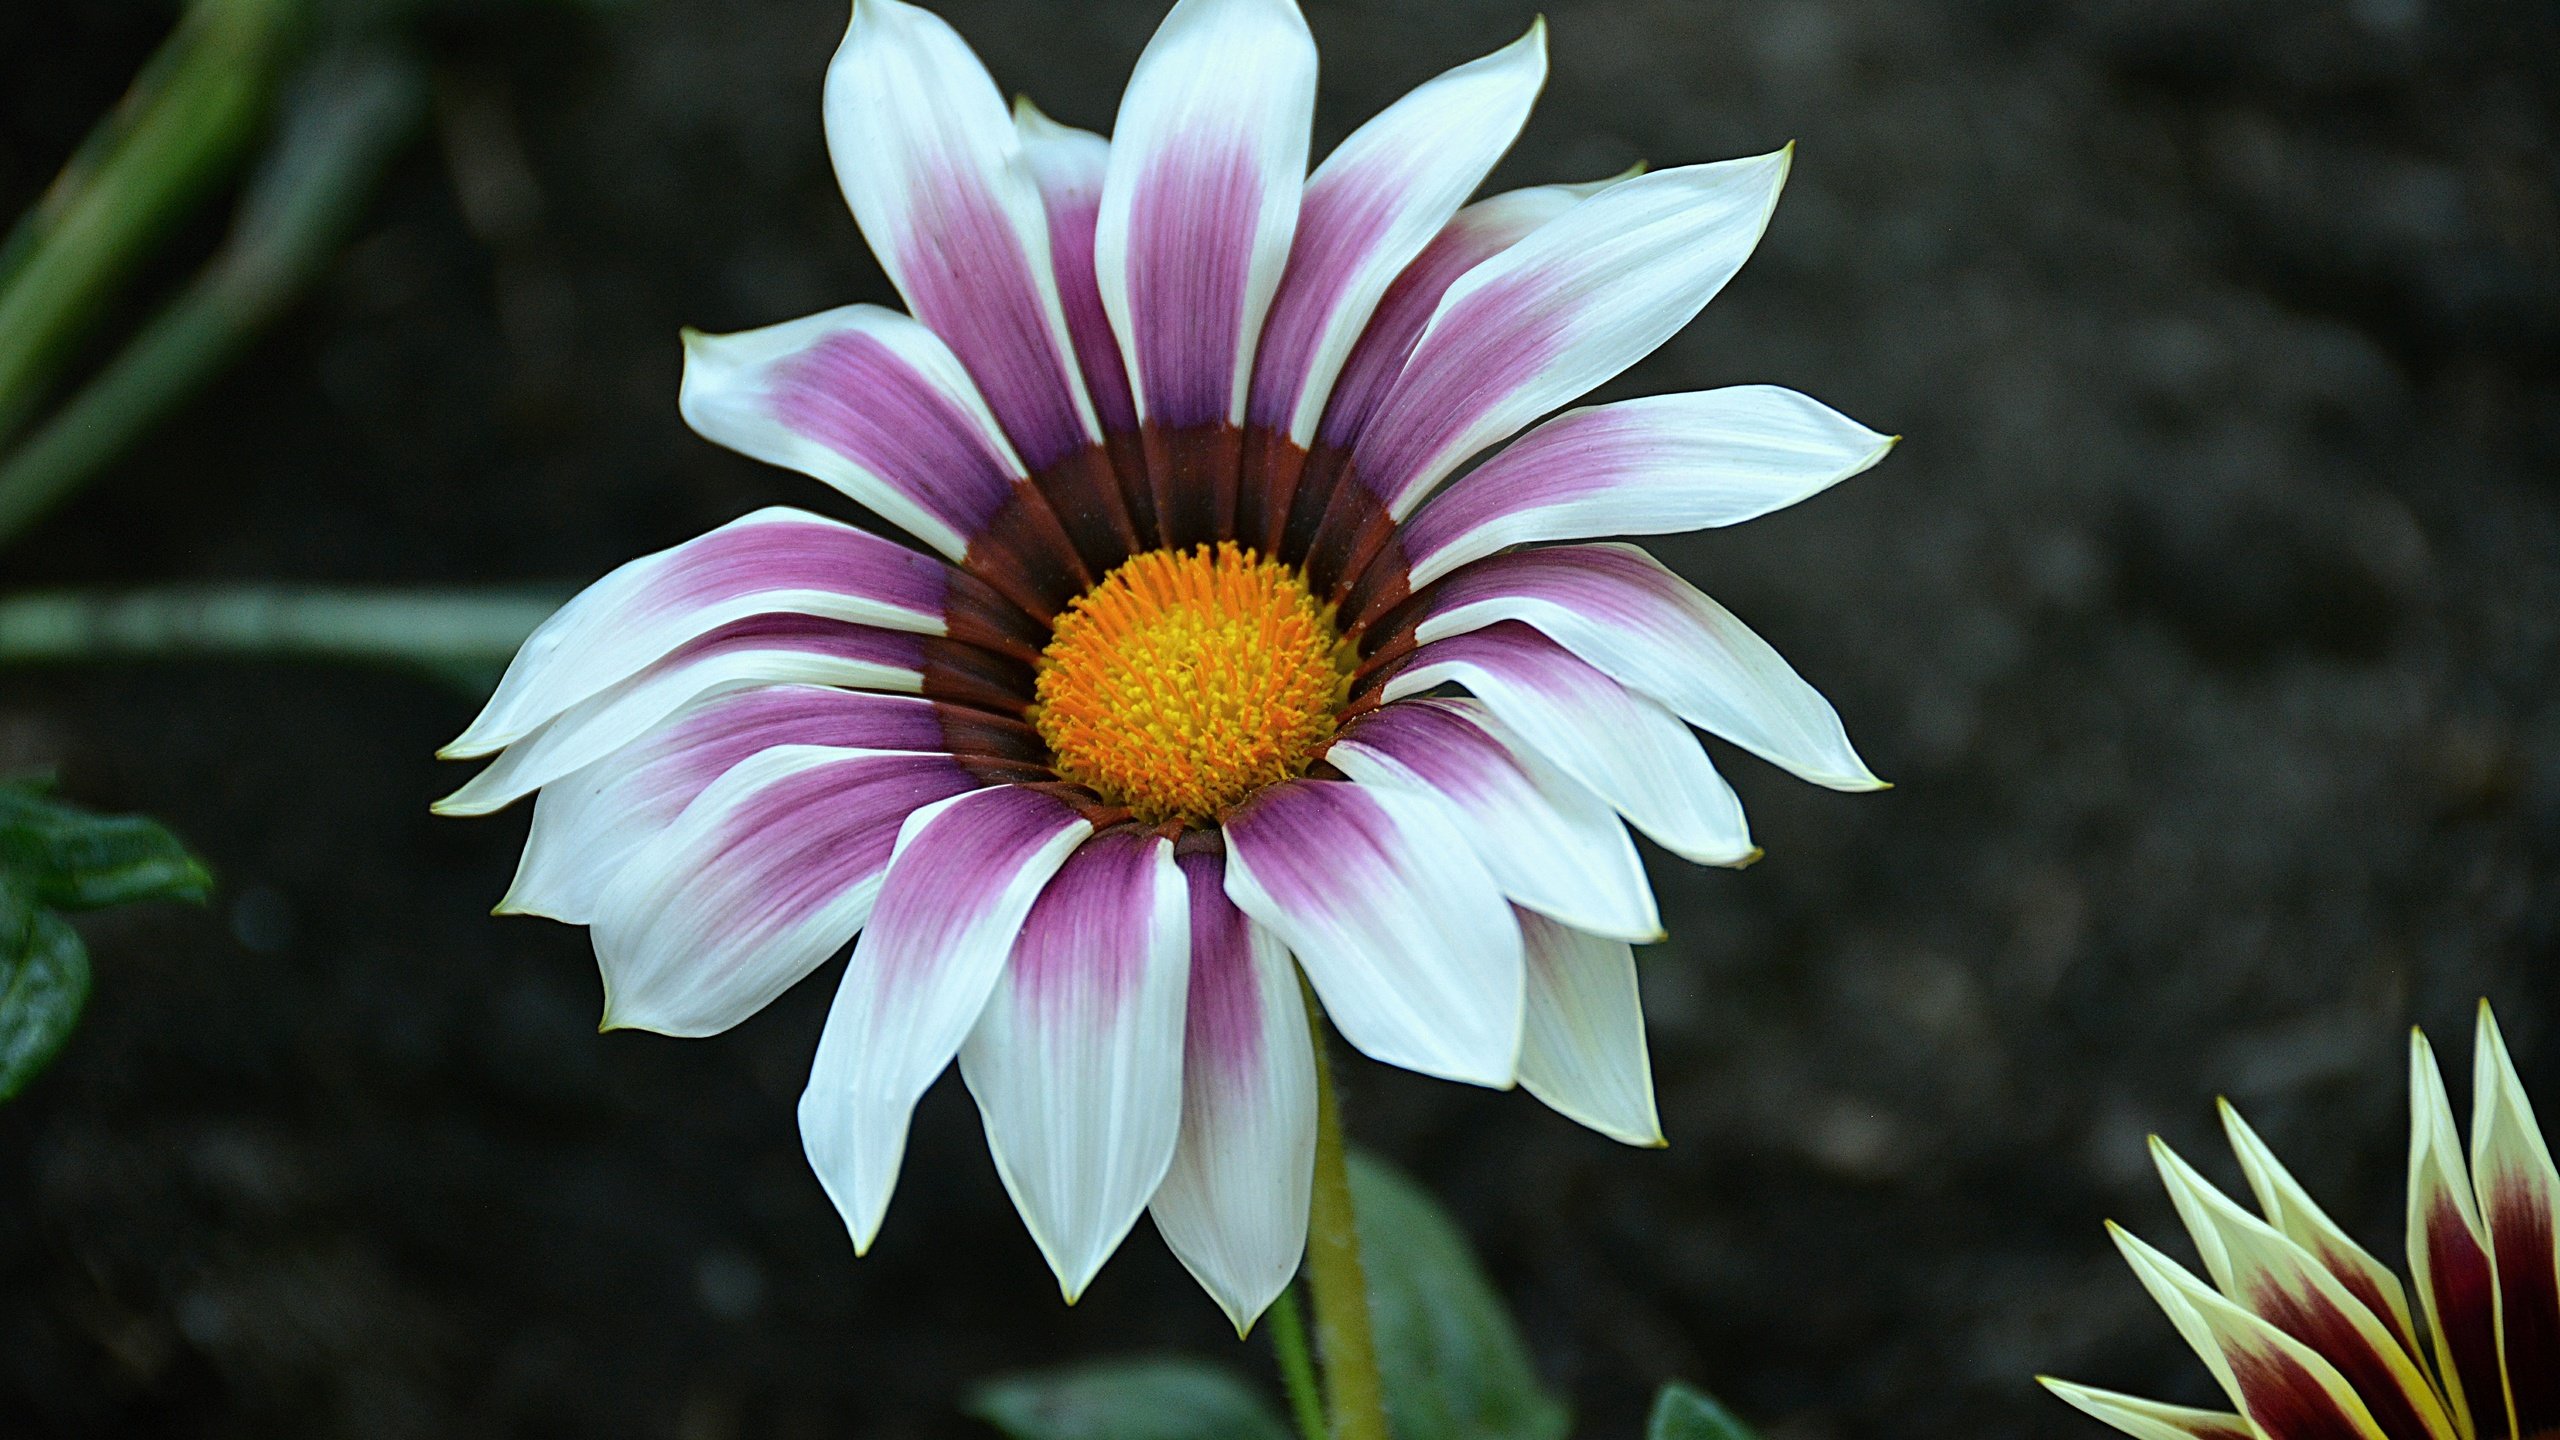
x=1233 y=1205
x=1654 y=466
x=2519 y=1194
x=1637 y=623
x=1067 y=164
x=1622 y=747
x=1399 y=926
x=587 y=826
x=1076 y=1062
x=1208 y=159
x=1582 y=1049
x=1551 y=844
x=930 y=162
x=962 y=879
x=2449 y=1254
x=1577 y=302
x=866 y=400
x=760 y=650
x=767 y=874
x=1371 y=207
x=1473 y=236
x=777 y=560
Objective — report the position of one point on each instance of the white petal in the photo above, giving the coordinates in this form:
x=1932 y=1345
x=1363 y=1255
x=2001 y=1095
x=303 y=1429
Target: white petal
x=1551 y=844
x=777 y=560
x=1371 y=207
x=929 y=160
x=1654 y=466
x=866 y=400
x=1583 y=1051
x=1579 y=300
x=762 y=650
x=1637 y=623
x=588 y=825
x=1628 y=750
x=1068 y=165
x=1474 y=235
x=1208 y=159
x=764 y=876
x=1233 y=1205
x=1399 y=926
x=1076 y=1062
x=963 y=876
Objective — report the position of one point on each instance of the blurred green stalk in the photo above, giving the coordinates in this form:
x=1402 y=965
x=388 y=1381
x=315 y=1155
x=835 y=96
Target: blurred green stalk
x=446 y=631
x=344 y=120
x=180 y=130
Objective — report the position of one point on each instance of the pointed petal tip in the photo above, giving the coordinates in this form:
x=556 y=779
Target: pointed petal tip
x=1747 y=859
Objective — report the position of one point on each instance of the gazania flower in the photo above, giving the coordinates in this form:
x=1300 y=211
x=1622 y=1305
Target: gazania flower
x=1156 y=699
x=2312 y=1337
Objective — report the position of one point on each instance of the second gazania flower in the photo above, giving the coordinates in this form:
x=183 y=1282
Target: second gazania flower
x=1162 y=697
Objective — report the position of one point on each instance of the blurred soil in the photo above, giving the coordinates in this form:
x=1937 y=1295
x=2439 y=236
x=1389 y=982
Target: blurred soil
x=2208 y=620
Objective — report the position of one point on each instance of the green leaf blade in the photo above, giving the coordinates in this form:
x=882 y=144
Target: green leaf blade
x=1127 y=1400
x=44 y=982
x=1681 y=1412
x=74 y=859
x=1455 y=1365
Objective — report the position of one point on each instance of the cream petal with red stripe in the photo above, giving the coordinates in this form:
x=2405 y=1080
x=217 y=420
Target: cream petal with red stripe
x=2448 y=1252
x=2519 y=1193
x=2280 y=1283
x=2283 y=1386
x=2149 y=1419
x=2290 y=1209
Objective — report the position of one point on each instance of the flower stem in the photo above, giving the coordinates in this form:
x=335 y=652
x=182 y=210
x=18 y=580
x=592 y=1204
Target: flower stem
x=1297 y=1369
x=1353 y=1391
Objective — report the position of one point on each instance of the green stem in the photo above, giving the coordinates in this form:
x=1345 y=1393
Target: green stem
x=435 y=629
x=345 y=121
x=186 y=122
x=1355 y=1394
x=1297 y=1368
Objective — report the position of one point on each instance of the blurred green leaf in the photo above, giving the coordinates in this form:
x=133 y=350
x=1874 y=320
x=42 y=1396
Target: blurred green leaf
x=53 y=856
x=1455 y=1366
x=44 y=980
x=1127 y=1400
x=1683 y=1413
x=69 y=858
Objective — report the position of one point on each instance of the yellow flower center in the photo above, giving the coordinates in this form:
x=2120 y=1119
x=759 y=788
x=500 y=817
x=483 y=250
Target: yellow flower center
x=1185 y=681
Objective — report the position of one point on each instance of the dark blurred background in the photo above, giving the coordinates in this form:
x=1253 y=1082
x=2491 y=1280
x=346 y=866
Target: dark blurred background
x=2208 y=620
